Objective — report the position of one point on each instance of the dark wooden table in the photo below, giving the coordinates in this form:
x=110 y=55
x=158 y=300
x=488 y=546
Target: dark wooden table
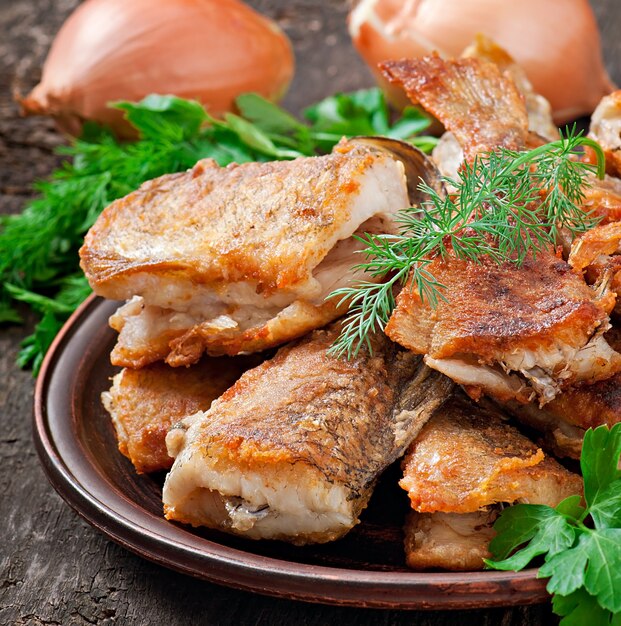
x=54 y=568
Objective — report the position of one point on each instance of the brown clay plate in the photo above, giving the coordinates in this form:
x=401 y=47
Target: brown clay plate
x=76 y=444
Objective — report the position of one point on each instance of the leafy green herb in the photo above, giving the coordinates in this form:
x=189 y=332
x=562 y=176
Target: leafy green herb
x=38 y=248
x=581 y=546
x=363 y=112
x=497 y=212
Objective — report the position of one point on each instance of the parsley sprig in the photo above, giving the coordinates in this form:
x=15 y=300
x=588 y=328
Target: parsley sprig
x=38 y=248
x=506 y=205
x=581 y=546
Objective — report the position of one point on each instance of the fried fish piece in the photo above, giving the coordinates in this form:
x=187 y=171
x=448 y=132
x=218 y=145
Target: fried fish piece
x=145 y=403
x=292 y=451
x=506 y=331
x=474 y=100
x=466 y=461
x=538 y=109
x=604 y=240
x=237 y=259
x=564 y=421
x=596 y=254
x=448 y=153
x=510 y=332
x=602 y=199
x=468 y=457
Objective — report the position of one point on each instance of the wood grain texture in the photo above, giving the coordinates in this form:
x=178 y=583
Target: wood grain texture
x=56 y=569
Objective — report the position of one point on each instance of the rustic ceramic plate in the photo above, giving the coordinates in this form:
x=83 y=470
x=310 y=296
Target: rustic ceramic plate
x=76 y=443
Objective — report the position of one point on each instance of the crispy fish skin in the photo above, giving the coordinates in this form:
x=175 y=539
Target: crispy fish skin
x=293 y=449
x=533 y=320
x=191 y=224
x=602 y=240
x=466 y=458
x=237 y=259
x=448 y=154
x=602 y=199
x=513 y=333
x=596 y=255
x=463 y=465
x=565 y=419
x=488 y=114
x=145 y=403
x=538 y=108
x=491 y=310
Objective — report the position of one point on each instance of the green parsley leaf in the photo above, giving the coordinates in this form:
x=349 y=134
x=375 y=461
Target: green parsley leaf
x=599 y=460
x=606 y=508
x=581 y=546
x=580 y=609
x=267 y=116
x=412 y=122
x=252 y=136
x=34 y=347
x=545 y=529
x=174 y=118
x=571 y=507
x=602 y=578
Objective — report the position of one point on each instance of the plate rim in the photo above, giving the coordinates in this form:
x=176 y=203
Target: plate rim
x=258 y=573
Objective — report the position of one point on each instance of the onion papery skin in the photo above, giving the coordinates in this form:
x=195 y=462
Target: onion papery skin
x=556 y=41
x=206 y=50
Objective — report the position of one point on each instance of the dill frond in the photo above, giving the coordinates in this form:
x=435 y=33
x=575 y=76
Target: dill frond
x=507 y=205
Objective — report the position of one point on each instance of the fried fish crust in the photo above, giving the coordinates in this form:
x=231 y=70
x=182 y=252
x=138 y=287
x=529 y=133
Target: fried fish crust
x=467 y=457
x=453 y=541
x=292 y=451
x=467 y=462
x=145 y=403
x=237 y=259
x=536 y=320
x=474 y=100
x=564 y=421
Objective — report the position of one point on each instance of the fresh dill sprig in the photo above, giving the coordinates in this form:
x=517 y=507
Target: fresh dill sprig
x=506 y=206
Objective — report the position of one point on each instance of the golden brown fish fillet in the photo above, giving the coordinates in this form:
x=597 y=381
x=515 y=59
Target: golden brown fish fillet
x=292 y=451
x=448 y=154
x=596 y=255
x=509 y=332
x=145 y=403
x=603 y=240
x=538 y=109
x=506 y=331
x=237 y=259
x=474 y=100
x=467 y=457
x=564 y=421
x=466 y=461
x=602 y=198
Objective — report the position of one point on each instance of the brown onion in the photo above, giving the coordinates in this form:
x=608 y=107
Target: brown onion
x=208 y=50
x=555 y=41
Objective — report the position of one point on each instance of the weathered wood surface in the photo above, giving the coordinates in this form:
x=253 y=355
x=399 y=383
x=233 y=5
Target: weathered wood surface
x=54 y=568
